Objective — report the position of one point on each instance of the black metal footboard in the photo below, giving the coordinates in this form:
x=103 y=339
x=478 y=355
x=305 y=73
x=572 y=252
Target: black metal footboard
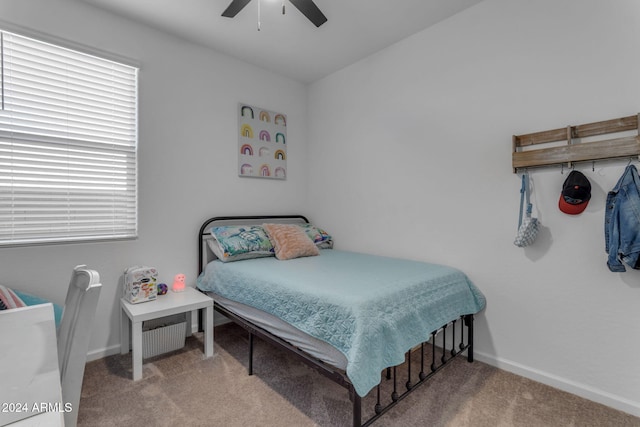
x=428 y=359
x=421 y=363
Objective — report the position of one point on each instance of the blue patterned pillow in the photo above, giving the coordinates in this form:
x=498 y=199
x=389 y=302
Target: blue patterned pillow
x=321 y=238
x=234 y=243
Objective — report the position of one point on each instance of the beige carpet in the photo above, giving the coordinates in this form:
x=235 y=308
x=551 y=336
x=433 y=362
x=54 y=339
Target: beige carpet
x=183 y=389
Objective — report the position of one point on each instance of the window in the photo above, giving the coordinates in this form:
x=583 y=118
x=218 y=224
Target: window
x=68 y=145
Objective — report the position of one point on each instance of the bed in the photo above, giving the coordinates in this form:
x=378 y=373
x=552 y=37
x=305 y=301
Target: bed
x=351 y=316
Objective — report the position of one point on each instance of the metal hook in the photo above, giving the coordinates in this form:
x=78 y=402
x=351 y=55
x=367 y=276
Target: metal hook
x=562 y=168
x=593 y=166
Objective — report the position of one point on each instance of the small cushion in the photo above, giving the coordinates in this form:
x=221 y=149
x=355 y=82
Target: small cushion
x=290 y=241
x=234 y=243
x=321 y=238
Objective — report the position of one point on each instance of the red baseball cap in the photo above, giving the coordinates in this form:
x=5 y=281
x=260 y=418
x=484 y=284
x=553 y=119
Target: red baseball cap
x=576 y=193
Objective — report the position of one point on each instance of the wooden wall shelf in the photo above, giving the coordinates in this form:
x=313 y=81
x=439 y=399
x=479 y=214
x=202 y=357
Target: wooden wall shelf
x=543 y=148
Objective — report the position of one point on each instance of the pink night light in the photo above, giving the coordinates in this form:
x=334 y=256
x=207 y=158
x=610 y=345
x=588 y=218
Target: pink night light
x=178 y=283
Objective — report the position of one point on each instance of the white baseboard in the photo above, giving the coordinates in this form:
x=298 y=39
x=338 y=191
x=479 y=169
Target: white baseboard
x=582 y=390
x=103 y=352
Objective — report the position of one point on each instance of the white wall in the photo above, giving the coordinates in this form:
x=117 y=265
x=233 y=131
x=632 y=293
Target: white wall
x=409 y=155
x=418 y=139
x=187 y=155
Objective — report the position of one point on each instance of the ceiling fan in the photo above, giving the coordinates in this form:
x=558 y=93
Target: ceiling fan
x=307 y=7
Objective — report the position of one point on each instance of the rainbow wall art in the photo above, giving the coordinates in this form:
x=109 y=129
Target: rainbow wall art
x=262 y=143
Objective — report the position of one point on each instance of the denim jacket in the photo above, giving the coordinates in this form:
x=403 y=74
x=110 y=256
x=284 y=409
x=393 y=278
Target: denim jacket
x=622 y=222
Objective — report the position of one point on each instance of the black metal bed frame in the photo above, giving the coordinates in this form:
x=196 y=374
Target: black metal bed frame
x=439 y=359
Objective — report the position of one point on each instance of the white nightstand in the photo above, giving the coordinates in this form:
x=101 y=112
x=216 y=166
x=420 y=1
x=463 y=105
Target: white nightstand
x=165 y=305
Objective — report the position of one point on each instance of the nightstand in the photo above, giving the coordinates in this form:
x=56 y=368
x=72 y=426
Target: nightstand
x=165 y=305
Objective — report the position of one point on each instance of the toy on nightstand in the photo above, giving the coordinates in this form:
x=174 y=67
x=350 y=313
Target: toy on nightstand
x=162 y=288
x=178 y=283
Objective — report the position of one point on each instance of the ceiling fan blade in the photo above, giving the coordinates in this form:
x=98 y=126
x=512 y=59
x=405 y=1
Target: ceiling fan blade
x=311 y=11
x=234 y=7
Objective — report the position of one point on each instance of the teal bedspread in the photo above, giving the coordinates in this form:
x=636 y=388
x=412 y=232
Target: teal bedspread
x=371 y=308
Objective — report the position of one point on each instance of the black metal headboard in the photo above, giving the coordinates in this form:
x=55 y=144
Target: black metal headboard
x=203 y=234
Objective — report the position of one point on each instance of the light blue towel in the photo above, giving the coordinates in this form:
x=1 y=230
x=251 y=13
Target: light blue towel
x=371 y=308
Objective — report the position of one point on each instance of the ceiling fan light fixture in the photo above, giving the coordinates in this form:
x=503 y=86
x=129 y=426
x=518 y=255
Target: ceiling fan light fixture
x=307 y=7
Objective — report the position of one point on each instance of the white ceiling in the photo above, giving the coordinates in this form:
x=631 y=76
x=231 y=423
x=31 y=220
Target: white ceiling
x=291 y=45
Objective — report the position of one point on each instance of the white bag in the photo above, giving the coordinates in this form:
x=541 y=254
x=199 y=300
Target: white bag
x=528 y=227
x=140 y=284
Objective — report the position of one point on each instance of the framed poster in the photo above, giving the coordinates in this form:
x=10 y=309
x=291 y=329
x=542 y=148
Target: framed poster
x=262 y=143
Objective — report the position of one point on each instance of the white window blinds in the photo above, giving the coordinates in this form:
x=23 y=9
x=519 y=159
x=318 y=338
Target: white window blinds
x=68 y=145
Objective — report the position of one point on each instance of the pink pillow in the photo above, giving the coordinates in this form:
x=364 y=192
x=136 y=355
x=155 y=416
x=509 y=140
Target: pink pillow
x=290 y=241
